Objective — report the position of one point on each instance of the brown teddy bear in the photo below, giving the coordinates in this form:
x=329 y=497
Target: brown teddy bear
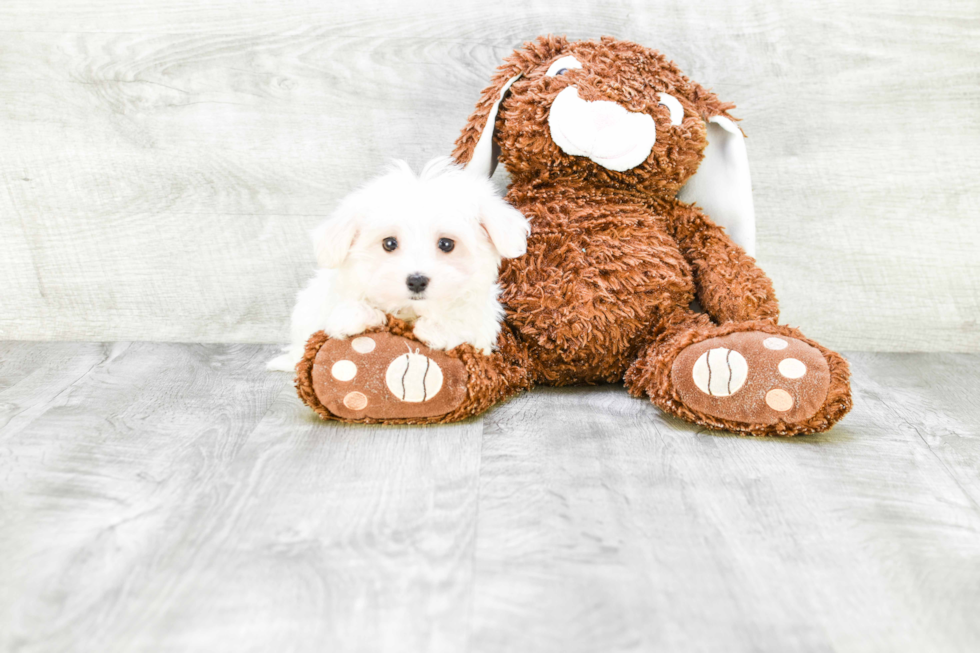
x=622 y=281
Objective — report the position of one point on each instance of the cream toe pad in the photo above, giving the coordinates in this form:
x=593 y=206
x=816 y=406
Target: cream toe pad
x=343 y=370
x=780 y=400
x=792 y=368
x=363 y=345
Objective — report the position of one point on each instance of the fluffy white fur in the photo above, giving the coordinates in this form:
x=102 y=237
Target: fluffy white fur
x=359 y=282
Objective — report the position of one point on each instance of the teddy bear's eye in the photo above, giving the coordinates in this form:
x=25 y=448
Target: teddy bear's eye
x=676 y=110
x=562 y=66
x=390 y=244
x=447 y=244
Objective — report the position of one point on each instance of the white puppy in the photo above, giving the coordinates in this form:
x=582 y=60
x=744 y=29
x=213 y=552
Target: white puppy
x=424 y=248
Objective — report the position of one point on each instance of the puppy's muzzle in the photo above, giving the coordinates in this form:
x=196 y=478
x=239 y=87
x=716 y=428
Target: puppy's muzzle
x=417 y=283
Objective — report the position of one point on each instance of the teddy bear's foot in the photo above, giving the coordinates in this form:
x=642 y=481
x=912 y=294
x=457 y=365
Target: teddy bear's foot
x=387 y=376
x=383 y=376
x=752 y=378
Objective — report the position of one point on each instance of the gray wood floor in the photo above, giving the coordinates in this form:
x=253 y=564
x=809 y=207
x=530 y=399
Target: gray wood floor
x=164 y=497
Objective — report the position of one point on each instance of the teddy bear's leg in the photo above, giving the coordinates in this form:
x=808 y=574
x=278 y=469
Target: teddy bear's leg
x=753 y=377
x=387 y=376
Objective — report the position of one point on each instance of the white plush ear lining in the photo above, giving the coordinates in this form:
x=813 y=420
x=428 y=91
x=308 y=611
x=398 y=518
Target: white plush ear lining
x=482 y=162
x=333 y=238
x=674 y=106
x=722 y=186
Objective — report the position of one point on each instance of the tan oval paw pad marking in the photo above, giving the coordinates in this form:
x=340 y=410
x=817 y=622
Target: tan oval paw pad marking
x=356 y=401
x=780 y=400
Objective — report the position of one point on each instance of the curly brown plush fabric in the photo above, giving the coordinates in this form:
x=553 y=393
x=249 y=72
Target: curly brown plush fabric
x=615 y=260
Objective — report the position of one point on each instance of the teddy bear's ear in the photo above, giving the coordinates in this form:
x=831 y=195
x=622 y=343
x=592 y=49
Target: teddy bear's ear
x=475 y=147
x=722 y=186
x=483 y=155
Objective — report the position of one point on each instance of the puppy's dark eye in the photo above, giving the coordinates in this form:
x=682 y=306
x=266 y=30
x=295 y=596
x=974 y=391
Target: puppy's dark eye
x=390 y=244
x=447 y=244
x=561 y=71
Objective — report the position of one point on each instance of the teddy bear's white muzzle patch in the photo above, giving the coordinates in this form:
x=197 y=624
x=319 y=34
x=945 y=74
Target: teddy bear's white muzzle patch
x=603 y=131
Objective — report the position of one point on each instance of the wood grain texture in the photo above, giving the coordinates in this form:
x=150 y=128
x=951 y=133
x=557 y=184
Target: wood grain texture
x=161 y=497
x=163 y=160
x=626 y=530
x=180 y=498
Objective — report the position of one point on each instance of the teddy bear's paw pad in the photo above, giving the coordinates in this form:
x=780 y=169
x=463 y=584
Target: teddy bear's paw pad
x=753 y=378
x=381 y=376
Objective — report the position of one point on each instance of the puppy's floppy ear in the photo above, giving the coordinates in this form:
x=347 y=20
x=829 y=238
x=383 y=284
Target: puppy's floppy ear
x=333 y=238
x=722 y=186
x=506 y=227
x=475 y=147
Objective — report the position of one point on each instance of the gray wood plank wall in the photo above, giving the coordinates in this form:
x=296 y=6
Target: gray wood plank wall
x=161 y=161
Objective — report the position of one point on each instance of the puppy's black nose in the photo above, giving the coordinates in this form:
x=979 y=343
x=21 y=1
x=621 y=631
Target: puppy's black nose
x=417 y=282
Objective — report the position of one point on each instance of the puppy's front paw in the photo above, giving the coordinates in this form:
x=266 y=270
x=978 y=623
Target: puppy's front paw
x=376 y=318
x=285 y=362
x=352 y=319
x=434 y=334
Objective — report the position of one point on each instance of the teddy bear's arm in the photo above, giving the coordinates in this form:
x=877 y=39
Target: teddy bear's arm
x=730 y=286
